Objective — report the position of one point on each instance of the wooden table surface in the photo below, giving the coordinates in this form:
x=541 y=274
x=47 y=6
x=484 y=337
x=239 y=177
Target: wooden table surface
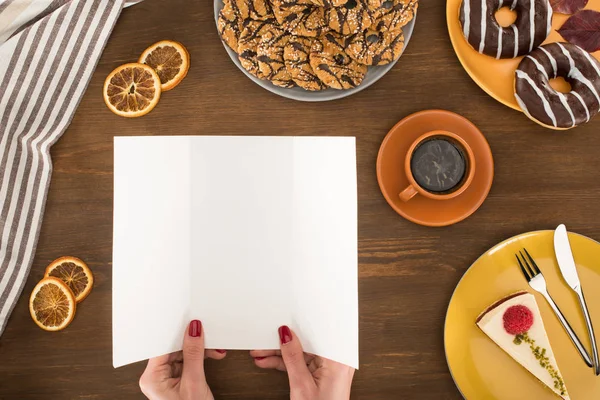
x=407 y=272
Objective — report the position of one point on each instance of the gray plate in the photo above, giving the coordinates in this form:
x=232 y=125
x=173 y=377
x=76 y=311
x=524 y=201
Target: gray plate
x=374 y=74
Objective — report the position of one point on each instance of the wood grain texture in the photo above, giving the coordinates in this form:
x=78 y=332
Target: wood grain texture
x=407 y=272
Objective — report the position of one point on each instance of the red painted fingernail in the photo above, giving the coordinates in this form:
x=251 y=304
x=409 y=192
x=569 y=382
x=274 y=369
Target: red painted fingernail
x=259 y=358
x=195 y=328
x=222 y=351
x=285 y=334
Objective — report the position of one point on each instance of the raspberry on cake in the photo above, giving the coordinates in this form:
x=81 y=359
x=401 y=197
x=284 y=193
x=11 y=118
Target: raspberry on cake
x=517 y=319
x=515 y=324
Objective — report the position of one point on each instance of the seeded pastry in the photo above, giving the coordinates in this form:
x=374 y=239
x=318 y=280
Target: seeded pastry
x=248 y=44
x=270 y=58
x=296 y=55
x=230 y=25
x=253 y=9
x=350 y=18
x=300 y=17
x=373 y=47
x=394 y=14
x=329 y=3
x=332 y=64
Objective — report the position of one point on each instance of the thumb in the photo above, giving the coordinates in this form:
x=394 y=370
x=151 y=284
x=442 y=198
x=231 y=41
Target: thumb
x=193 y=354
x=293 y=358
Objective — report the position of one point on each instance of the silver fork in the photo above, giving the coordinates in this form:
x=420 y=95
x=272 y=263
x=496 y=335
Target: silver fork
x=538 y=283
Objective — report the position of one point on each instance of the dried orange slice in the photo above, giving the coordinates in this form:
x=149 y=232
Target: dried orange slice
x=170 y=60
x=74 y=273
x=52 y=304
x=132 y=90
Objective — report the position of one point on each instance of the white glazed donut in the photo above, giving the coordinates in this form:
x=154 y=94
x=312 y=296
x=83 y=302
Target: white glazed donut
x=485 y=35
x=549 y=107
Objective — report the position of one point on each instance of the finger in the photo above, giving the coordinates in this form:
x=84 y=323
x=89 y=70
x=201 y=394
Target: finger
x=264 y=353
x=273 y=362
x=313 y=366
x=309 y=358
x=154 y=373
x=155 y=362
x=293 y=357
x=272 y=353
x=176 y=369
x=193 y=354
x=176 y=357
x=215 y=354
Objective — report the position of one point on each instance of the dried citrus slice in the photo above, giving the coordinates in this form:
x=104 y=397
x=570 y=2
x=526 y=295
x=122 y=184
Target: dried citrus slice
x=74 y=273
x=52 y=304
x=170 y=60
x=132 y=90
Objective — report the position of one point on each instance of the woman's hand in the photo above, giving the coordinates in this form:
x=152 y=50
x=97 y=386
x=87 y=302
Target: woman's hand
x=311 y=377
x=180 y=375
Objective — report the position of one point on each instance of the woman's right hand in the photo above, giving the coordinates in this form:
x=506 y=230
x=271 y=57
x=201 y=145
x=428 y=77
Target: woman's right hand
x=311 y=377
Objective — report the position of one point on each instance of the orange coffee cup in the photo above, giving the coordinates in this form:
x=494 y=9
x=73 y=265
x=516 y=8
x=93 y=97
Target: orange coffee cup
x=414 y=188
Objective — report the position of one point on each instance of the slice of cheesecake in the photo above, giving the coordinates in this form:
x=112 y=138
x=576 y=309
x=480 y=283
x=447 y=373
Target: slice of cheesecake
x=515 y=324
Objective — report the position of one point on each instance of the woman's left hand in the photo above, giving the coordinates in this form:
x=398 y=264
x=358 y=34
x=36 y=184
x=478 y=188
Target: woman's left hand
x=180 y=375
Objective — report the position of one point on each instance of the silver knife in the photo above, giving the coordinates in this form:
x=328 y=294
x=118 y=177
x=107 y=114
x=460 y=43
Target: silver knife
x=566 y=263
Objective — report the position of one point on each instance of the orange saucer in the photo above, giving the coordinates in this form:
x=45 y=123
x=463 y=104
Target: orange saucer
x=393 y=180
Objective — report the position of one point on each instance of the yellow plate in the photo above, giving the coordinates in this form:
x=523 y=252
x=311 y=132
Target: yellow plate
x=496 y=77
x=481 y=369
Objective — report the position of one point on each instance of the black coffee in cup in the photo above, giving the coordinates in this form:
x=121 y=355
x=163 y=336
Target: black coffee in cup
x=439 y=165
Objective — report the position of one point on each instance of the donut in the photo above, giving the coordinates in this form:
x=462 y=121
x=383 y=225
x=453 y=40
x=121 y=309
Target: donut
x=296 y=56
x=332 y=65
x=485 y=35
x=270 y=58
x=551 y=108
x=373 y=47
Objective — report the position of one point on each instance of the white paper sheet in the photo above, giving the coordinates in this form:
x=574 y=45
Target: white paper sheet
x=244 y=233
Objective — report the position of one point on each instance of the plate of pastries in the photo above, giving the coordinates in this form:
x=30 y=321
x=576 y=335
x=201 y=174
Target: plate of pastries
x=315 y=50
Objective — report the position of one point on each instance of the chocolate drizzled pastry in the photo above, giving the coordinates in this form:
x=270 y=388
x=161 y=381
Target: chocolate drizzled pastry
x=248 y=44
x=296 y=55
x=230 y=25
x=333 y=65
x=270 y=58
x=373 y=47
x=350 y=18
x=300 y=17
x=485 y=35
x=547 y=106
x=372 y=5
x=253 y=9
x=329 y=3
x=392 y=15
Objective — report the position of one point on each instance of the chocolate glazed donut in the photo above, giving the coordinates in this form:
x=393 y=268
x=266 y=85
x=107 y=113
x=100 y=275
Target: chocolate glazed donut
x=484 y=34
x=547 y=106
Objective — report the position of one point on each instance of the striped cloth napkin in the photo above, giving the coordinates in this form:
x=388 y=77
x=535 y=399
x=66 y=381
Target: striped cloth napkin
x=48 y=52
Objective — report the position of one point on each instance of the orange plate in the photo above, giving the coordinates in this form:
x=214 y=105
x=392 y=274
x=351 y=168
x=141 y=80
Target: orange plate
x=392 y=177
x=481 y=369
x=496 y=77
